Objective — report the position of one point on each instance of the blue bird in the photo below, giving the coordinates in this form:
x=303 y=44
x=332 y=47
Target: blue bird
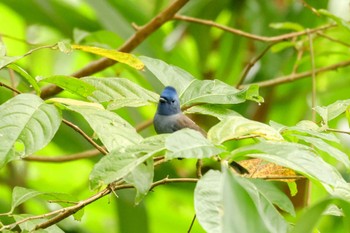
x=169 y=118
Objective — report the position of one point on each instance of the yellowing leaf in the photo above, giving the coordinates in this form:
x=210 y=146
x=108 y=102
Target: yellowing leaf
x=121 y=57
x=259 y=168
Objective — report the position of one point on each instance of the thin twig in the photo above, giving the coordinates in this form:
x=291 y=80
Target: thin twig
x=333 y=39
x=252 y=63
x=10 y=88
x=137 y=38
x=77 y=129
x=313 y=77
x=192 y=223
x=293 y=77
x=249 y=35
x=338 y=131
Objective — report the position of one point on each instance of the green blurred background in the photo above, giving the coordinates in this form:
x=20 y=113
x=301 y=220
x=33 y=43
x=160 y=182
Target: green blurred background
x=205 y=52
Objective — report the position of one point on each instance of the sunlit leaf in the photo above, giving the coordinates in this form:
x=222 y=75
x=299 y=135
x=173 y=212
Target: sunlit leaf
x=188 y=143
x=235 y=127
x=74 y=102
x=5 y=60
x=121 y=57
x=111 y=129
x=71 y=84
x=168 y=75
x=119 y=92
x=27 y=125
x=282 y=46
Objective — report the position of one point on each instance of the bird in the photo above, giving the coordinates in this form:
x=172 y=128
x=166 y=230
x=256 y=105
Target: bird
x=169 y=118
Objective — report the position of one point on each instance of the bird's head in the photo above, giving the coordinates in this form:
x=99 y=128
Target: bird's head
x=169 y=103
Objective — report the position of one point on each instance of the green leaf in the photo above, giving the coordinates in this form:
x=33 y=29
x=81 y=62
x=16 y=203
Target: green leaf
x=119 y=92
x=21 y=195
x=214 y=92
x=273 y=195
x=252 y=93
x=264 y=196
x=338 y=20
x=307 y=222
x=29 y=226
x=25 y=75
x=208 y=201
x=214 y=110
x=297 y=157
x=188 y=143
x=282 y=46
x=27 y=125
x=310 y=128
x=113 y=54
x=5 y=60
x=287 y=25
x=141 y=178
x=333 y=110
x=111 y=129
x=168 y=75
x=235 y=127
x=239 y=204
x=330 y=150
x=116 y=165
x=71 y=84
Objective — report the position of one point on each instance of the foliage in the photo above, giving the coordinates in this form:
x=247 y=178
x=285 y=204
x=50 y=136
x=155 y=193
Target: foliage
x=243 y=88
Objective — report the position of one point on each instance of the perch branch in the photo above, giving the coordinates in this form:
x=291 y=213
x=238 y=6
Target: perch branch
x=137 y=38
x=66 y=158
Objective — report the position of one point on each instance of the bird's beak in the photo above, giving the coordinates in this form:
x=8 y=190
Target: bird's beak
x=162 y=100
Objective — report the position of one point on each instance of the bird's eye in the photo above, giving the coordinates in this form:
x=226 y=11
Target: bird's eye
x=173 y=101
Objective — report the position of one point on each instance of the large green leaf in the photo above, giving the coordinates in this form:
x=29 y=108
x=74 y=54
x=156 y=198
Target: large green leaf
x=235 y=127
x=119 y=92
x=168 y=75
x=297 y=157
x=20 y=195
x=125 y=162
x=223 y=203
x=111 y=129
x=330 y=150
x=214 y=110
x=27 y=125
x=213 y=92
x=208 y=201
x=116 y=165
x=188 y=143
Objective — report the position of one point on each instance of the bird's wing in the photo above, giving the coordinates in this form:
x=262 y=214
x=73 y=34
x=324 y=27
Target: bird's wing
x=185 y=122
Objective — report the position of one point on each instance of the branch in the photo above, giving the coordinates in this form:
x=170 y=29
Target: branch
x=137 y=38
x=296 y=76
x=10 y=88
x=68 y=211
x=313 y=77
x=249 y=35
x=338 y=131
x=65 y=158
x=77 y=129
